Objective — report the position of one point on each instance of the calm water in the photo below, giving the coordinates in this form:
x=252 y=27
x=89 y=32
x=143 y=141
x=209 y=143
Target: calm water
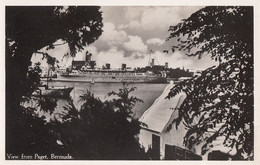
x=147 y=92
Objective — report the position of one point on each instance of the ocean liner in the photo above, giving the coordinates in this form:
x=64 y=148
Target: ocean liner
x=96 y=75
x=85 y=71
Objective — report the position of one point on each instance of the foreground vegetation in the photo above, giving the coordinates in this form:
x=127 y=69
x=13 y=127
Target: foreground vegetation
x=220 y=102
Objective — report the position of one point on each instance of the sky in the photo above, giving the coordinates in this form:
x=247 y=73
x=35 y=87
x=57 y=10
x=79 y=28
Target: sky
x=135 y=34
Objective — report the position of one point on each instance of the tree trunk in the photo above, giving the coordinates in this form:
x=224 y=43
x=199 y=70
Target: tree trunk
x=16 y=70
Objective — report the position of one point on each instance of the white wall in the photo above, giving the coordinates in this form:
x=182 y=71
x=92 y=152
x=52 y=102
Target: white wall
x=145 y=138
x=173 y=137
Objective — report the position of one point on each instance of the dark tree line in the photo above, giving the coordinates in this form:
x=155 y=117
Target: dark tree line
x=171 y=72
x=177 y=73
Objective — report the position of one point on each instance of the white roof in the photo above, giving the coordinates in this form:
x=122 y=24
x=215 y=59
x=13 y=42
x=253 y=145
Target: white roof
x=160 y=113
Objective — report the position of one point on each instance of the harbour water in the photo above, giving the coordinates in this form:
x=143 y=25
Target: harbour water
x=147 y=92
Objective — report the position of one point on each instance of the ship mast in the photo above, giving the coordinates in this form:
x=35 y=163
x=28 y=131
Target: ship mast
x=151 y=51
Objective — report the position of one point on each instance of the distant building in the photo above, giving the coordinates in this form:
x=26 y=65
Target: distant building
x=159 y=67
x=123 y=66
x=152 y=63
x=107 y=66
x=166 y=65
x=92 y=64
x=78 y=64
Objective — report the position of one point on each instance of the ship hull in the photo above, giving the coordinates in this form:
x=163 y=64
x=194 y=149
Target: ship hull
x=110 y=79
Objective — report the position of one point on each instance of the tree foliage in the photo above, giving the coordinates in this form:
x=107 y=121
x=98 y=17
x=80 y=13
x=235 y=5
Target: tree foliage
x=219 y=103
x=28 y=30
x=33 y=80
x=36 y=27
x=123 y=101
x=102 y=130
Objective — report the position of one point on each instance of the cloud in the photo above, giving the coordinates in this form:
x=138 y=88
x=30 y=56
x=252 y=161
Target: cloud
x=153 y=18
x=116 y=57
x=113 y=56
x=112 y=35
x=121 y=26
x=134 y=30
x=155 y=41
x=156 y=18
x=135 y=43
x=134 y=12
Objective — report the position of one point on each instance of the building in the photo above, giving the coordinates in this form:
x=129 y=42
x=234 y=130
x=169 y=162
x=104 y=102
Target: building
x=123 y=67
x=165 y=140
x=166 y=65
x=108 y=66
x=157 y=119
x=152 y=62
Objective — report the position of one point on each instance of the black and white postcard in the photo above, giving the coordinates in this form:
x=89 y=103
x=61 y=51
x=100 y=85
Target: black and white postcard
x=143 y=82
